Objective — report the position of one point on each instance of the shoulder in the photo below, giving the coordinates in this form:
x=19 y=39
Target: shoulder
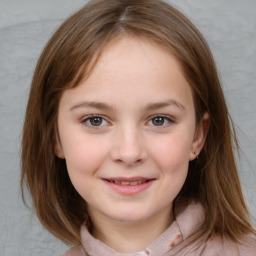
x=217 y=246
x=247 y=246
x=75 y=251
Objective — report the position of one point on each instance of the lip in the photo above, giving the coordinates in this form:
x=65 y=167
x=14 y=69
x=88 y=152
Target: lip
x=129 y=190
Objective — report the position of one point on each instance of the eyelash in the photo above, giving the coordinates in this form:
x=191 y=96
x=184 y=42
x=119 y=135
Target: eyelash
x=89 y=118
x=166 y=118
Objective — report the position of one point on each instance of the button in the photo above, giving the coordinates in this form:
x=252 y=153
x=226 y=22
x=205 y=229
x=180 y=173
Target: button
x=176 y=241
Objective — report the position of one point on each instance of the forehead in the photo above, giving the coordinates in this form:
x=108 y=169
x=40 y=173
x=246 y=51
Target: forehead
x=134 y=55
x=131 y=65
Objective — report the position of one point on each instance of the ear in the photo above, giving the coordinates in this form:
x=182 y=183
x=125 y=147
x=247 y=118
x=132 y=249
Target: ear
x=200 y=136
x=58 y=150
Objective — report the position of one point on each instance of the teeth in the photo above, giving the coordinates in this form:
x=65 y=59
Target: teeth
x=127 y=183
x=124 y=183
x=135 y=183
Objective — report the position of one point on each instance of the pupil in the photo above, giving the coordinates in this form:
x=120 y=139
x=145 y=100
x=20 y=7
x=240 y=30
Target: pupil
x=96 y=121
x=158 y=121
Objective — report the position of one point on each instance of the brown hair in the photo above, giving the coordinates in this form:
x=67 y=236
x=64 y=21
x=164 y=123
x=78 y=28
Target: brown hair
x=69 y=56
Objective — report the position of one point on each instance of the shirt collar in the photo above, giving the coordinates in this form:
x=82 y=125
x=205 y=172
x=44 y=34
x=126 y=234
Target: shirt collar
x=189 y=219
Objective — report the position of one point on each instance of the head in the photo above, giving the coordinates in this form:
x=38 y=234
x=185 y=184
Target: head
x=70 y=57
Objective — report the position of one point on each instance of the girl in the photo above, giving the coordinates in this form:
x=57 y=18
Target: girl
x=127 y=146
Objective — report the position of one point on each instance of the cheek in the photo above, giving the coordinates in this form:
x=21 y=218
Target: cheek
x=84 y=156
x=83 y=159
x=172 y=151
x=172 y=159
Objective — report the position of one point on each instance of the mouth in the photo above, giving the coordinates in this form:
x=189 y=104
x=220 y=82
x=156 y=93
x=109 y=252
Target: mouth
x=127 y=183
x=132 y=181
x=129 y=186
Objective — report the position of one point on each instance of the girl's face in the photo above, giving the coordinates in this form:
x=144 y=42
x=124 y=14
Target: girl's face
x=128 y=132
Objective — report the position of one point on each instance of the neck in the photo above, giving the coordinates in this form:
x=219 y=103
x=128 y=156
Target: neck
x=128 y=237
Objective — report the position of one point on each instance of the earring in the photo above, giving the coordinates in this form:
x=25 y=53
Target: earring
x=59 y=153
x=196 y=155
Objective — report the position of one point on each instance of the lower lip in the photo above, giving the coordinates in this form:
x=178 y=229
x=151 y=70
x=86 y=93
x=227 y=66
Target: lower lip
x=129 y=189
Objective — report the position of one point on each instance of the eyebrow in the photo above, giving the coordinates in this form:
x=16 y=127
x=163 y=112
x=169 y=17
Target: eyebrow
x=149 y=107
x=92 y=104
x=167 y=103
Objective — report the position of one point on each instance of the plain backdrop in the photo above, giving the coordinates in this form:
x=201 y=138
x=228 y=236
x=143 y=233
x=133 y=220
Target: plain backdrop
x=25 y=27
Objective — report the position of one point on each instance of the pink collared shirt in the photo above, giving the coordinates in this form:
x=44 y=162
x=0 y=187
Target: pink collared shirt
x=174 y=241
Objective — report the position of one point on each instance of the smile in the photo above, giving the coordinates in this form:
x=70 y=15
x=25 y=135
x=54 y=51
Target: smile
x=127 y=183
x=129 y=186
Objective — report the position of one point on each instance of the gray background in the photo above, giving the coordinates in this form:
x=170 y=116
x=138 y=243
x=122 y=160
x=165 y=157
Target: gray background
x=25 y=27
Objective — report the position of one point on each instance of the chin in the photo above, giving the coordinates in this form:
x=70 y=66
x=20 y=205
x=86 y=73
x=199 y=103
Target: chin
x=129 y=219
x=129 y=216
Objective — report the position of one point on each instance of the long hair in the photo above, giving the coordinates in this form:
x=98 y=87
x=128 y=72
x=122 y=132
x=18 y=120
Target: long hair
x=69 y=57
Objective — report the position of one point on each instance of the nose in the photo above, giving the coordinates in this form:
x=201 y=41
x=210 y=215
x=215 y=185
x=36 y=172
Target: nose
x=128 y=147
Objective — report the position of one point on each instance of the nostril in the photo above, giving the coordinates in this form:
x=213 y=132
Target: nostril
x=127 y=150
x=128 y=159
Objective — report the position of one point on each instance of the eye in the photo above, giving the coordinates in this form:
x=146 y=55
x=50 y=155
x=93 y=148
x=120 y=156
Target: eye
x=95 y=121
x=160 y=121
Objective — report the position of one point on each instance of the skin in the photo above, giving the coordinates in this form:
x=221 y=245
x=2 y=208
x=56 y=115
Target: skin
x=145 y=127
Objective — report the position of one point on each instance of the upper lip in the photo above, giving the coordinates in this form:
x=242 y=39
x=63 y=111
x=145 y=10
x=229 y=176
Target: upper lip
x=129 y=179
